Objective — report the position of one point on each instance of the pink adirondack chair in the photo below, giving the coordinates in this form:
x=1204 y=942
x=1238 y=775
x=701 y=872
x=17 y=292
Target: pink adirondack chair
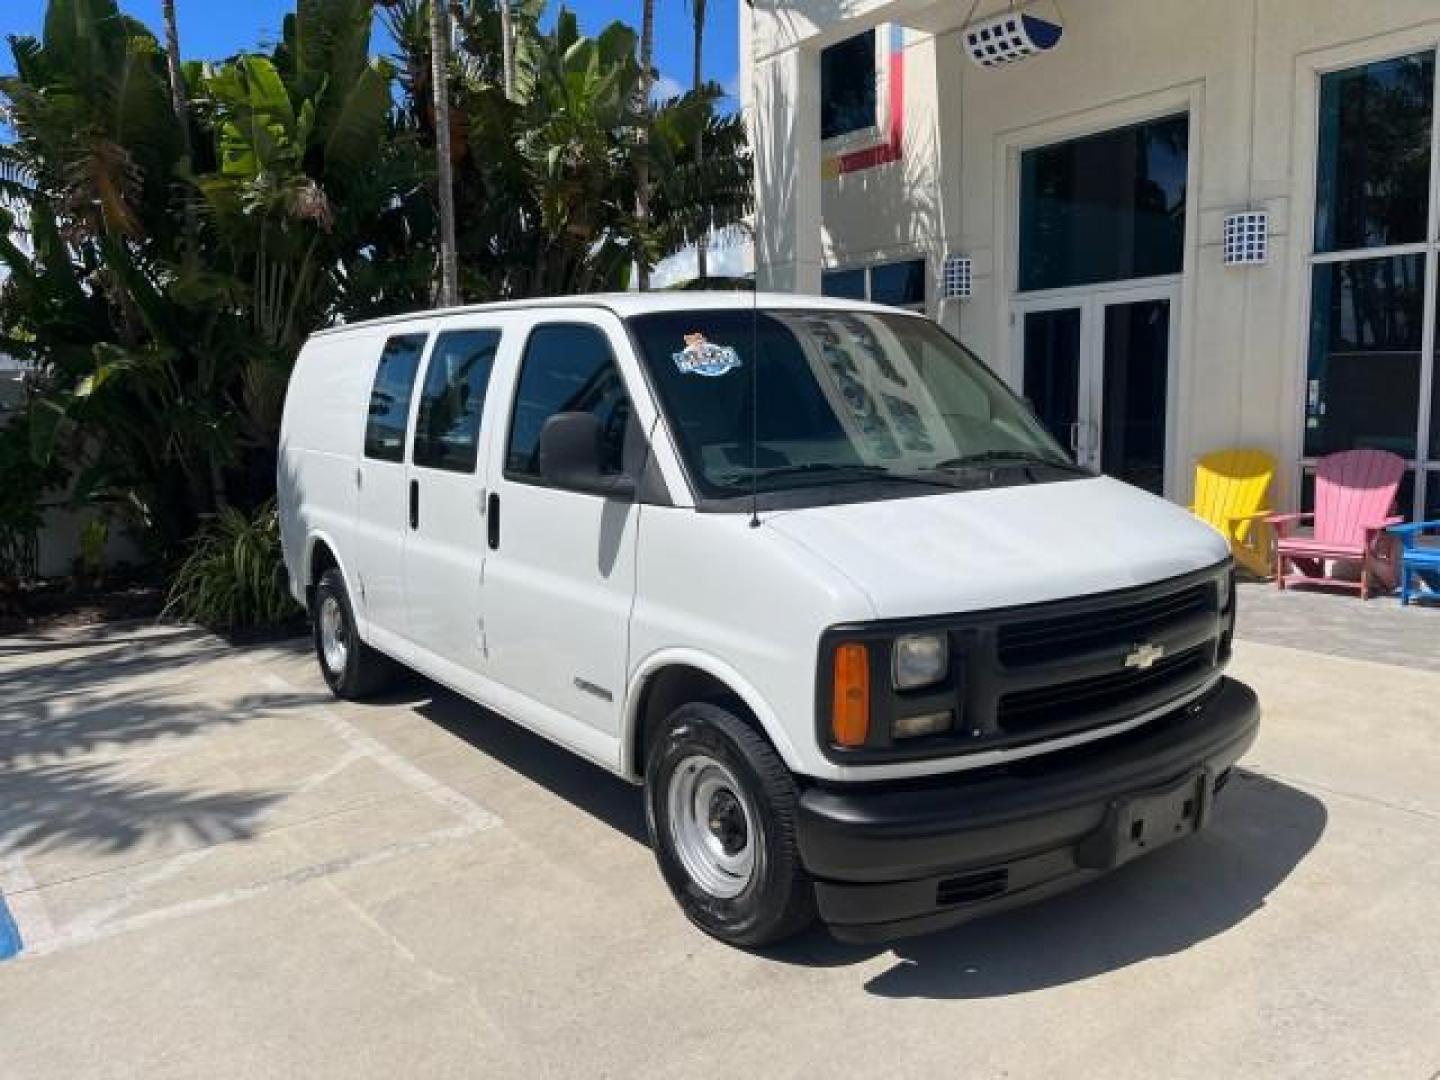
x=1354 y=503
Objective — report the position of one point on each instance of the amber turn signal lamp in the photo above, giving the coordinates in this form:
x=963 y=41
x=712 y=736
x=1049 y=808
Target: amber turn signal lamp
x=850 y=698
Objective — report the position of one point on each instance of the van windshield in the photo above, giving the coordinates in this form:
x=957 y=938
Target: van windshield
x=785 y=400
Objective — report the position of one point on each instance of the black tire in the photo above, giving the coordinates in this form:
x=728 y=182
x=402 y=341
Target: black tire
x=364 y=672
x=778 y=898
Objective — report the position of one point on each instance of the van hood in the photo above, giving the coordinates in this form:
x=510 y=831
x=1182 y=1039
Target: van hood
x=974 y=550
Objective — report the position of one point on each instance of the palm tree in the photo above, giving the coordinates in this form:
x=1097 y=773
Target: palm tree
x=507 y=48
x=177 y=100
x=642 y=160
x=697 y=9
x=439 y=65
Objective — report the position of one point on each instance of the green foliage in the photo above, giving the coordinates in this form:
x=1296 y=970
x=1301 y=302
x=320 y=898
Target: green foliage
x=22 y=487
x=93 y=538
x=167 y=293
x=545 y=181
x=234 y=577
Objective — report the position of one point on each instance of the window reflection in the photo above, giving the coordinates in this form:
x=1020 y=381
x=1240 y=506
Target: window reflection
x=1106 y=207
x=847 y=86
x=1363 y=386
x=1374 y=154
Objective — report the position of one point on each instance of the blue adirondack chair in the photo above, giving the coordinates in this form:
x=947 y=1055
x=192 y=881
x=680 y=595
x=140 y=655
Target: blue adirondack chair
x=1416 y=562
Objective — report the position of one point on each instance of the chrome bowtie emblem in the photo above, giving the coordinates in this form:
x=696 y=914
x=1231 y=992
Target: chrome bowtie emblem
x=1143 y=657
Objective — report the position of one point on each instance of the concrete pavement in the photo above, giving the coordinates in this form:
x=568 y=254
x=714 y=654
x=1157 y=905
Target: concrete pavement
x=217 y=870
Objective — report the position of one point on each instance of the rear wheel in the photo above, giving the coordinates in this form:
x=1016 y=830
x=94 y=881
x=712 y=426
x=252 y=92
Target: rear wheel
x=721 y=806
x=352 y=669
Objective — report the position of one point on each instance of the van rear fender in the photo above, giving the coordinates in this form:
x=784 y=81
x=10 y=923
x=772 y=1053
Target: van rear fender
x=321 y=552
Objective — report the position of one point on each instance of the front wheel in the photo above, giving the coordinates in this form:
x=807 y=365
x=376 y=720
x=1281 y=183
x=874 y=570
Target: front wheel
x=721 y=807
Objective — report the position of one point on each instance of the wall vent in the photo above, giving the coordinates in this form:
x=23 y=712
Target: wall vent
x=1247 y=238
x=957 y=278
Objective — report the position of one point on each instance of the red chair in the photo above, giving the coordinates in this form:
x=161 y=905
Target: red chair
x=1354 y=504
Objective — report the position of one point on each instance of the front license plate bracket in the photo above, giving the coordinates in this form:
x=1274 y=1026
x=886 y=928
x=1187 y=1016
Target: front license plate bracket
x=1137 y=824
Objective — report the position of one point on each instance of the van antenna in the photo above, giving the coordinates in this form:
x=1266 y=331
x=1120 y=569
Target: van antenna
x=754 y=298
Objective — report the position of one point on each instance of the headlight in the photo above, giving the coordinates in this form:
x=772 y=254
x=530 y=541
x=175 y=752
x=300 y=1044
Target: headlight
x=920 y=660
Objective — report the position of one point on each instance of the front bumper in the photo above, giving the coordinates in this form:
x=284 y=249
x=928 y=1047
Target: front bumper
x=900 y=858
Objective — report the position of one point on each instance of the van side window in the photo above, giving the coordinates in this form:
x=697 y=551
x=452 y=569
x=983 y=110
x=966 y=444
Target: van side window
x=447 y=425
x=390 y=397
x=567 y=368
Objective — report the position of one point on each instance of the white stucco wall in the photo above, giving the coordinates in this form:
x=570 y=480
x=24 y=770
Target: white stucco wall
x=1247 y=72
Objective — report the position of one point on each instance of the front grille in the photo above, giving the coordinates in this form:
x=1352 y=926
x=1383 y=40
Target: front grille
x=1054 y=637
x=1023 y=675
x=1100 y=699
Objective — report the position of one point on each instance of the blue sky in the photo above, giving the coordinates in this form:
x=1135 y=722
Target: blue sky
x=210 y=29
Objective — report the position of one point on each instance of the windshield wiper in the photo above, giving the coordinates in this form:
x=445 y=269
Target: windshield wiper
x=985 y=458
x=859 y=473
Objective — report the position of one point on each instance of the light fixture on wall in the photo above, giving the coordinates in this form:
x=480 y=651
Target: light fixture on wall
x=1010 y=36
x=1247 y=238
x=957 y=277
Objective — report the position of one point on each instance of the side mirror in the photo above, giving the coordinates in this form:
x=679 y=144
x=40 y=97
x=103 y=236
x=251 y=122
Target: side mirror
x=570 y=457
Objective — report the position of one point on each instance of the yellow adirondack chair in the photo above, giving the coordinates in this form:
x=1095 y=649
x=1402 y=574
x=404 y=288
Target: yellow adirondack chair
x=1231 y=491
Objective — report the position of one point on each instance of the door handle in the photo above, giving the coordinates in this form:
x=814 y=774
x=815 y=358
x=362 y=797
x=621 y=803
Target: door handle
x=492 y=522
x=1075 y=437
x=414 y=504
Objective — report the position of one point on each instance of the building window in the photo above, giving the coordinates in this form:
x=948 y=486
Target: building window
x=1366 y=317
x=847 y=87
x=848 y=284
x=1374 y=170
x=898 y=284
x=1106 y=207
x=1372 y=266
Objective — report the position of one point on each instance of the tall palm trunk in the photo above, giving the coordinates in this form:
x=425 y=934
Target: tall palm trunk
x=507 y=48
x=439 y=67
x=642 y=159
x=697 y=8
x=177 y=99
x=219 y=497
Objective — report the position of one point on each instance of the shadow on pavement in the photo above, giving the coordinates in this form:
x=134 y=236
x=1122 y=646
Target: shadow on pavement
x=590 y=788
x=92 y=805
x=1159 y=905
x=118 y=699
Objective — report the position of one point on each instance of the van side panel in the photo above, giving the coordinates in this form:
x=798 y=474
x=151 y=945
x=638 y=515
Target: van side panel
x=320 y=439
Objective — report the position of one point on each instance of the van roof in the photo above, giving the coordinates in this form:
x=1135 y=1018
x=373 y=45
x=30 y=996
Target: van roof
x=637 y=303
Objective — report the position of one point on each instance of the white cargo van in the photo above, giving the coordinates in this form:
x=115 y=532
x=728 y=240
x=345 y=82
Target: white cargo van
x=875 y=647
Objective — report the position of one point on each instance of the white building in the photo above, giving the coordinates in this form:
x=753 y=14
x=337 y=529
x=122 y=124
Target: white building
x=1090 y=185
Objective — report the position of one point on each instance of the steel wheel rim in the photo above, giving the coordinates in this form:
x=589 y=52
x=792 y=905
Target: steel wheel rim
x=334 y=635
x=712 y=826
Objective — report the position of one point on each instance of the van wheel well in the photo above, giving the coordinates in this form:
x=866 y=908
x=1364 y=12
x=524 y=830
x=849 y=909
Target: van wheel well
x=321 y=559
x=666 y=691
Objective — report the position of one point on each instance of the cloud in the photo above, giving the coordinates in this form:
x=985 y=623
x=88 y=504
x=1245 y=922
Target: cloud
x=729 y=257
x=665 y=87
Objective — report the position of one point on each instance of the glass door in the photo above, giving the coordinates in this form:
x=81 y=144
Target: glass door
x=1053 y=352
x=1133 y=392
x=1096 y=370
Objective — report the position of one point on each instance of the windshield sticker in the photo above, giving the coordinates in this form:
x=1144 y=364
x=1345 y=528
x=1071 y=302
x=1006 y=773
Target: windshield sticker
x=701 y=357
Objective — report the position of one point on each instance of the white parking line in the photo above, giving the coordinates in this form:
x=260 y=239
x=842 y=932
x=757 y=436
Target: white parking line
x=461 y=806
x=85 y=934
x=40 y=937
x=26 y=905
